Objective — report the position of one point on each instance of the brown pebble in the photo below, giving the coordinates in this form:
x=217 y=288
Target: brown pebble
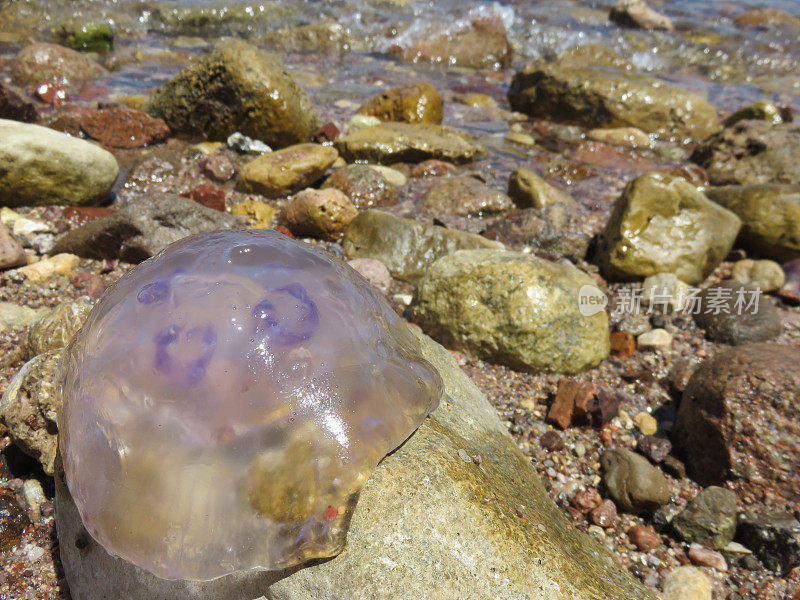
x=654 y=448
x=432 y=168
x=604 y=515
x=570 y=393
x=12 y=254
x=218 y=167
x=623 y=343
x=209 y=196
x=88 y=284
x=552 y=441
x=123 y=127
x=700 y=555
x=586 y=500
x=644 y=537
x=326 y=133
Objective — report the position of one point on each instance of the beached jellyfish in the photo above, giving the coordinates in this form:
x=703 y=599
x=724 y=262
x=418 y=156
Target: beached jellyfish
x=226 y=401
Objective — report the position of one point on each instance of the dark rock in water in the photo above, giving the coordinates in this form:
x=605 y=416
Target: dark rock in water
x=537 y=230
x=635 y=485
x=770 y=215
x=324 y=38
x=143 y=228
x=242 y=20
x=663 y=224
x=365 y=187
x=41 y=62
x=237 y=88
x=405 y=246
x=15 y=105
x=709 y=519
x=734 y=313
x=464 y=196
x=739 y=417
x=600 y=98
x=654 y=448
x=636 y=14
x=751 y=152
x=413 y=103
x=482 y=45
x=773 y=537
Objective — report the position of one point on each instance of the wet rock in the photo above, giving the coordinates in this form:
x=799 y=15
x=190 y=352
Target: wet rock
x=238 y=142
x=143 y=227
x=39 y=167
x=12 y=254
x=319 y=213
x=283 y=172
x=464 y=196
x=218 y=167
x=260 y=213
x=405 y=246
x=86 y=37
x=209 y=196
x=403 y=142
x=770 y=215
x=13 y=315
x=61 y=263
x=644 y=537
x=528 y=190
x=751 y=152
x=654 y=448
x=426 y=495
x=767 y=18
x=569 y=395
x=636 y=14
x=482 y=45
x=700 y=555
x=432 y=168
x=357 y=122
x=533 y=229
x=635 y=485
x=373 y=271
x=413 y=103
x=665 y=292
x=321 y=38
x=513 y=309
x=733 y=313
x=238 y=88
x=709 y=519
x=662 y=224
x=586 y=500
x=28 y=408
x=42 y=62
x=365 y=187
x=763 y=110
x=394 y=176
x=626 y=137
x=739 y=418
x=122 y=127
x=686 y=583
x=12 y=522
x=593 y=55
x=604 y=515
x=766 y=275
x=774 y=537
x=241 y=20
x=15 y=105
x=56 y=328
x=601 y=98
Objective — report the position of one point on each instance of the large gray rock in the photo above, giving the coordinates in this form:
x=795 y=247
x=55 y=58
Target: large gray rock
x=241 y=88
x=512 y=308
x=663 y=224
x=603 y=98
x=405 y=246
x=143 y=228
x=427 y=525
x=40 y=166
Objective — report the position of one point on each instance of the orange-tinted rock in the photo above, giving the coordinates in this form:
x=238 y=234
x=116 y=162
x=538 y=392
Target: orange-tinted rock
x=210 y=196
x=122 y=127
x=623 y=343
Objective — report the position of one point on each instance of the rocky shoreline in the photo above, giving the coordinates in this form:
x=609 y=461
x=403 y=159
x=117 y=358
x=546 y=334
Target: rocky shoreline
x=610 y=256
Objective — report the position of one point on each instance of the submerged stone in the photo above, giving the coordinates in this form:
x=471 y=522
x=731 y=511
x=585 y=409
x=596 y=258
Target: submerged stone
x=226 y=401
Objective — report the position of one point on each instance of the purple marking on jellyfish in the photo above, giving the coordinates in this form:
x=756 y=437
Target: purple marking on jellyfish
x=182 y=373
x=153 y=292
x=283 y=329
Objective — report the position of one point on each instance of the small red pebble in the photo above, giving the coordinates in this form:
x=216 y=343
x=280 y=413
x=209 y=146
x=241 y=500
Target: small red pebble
x=700 y=555
x=209 y=196
x=326 y=133
x=586 y=500
x=88 y=284
x=644 y=537
x=284 y=230
x=604 y=515
x=51 y=93
x=331 y=513
x=80 y=215
x=432 y=168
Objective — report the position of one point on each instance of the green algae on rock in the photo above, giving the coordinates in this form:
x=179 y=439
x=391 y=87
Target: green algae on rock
x=421 y=502
x=770 y=215
x=600 y=98
x=405 y=246
x=240 y=88
x=86 y=37
x=663 y=224
x=405 y=142
x=512 y=308
x=42 y=167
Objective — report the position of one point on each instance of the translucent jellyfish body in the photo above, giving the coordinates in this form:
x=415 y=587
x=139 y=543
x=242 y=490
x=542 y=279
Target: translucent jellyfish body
x=226 y=401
